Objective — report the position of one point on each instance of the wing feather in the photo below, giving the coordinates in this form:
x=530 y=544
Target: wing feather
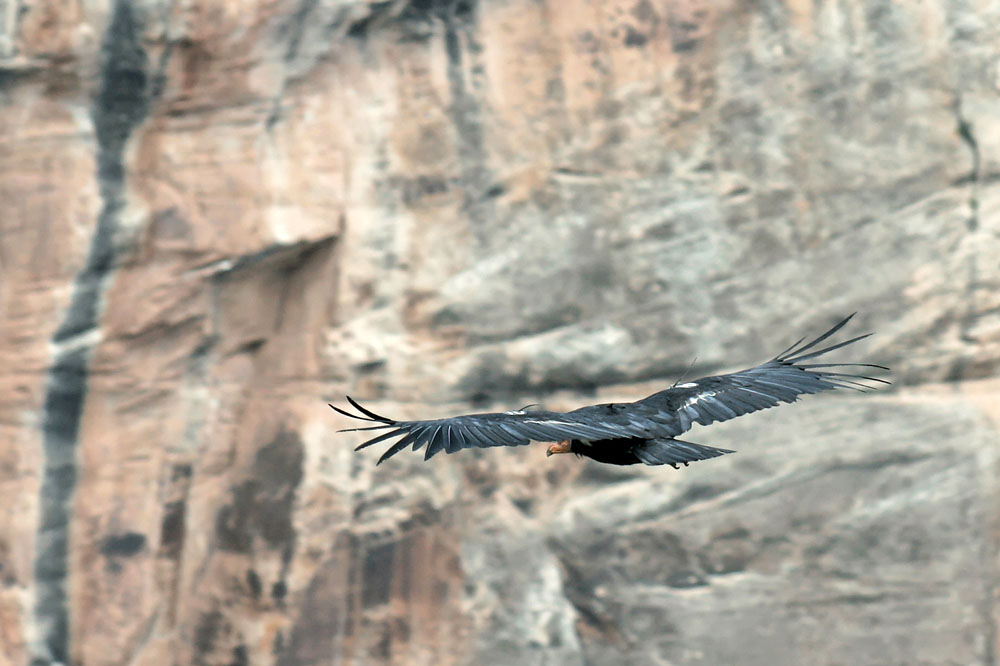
x=435 y=442
x=480 y=438
x=461 y=437
x=789 y=352
x=450 y=443
x=378 y=438
x=515 y=435
x=504 y=435
x=398 y=446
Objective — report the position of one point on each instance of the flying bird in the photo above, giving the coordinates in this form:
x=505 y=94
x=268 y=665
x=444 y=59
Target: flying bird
x=627 y=433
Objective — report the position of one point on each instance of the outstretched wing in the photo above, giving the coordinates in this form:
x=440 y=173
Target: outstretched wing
x=515 y=428
x=661 y=415
x=722 y=397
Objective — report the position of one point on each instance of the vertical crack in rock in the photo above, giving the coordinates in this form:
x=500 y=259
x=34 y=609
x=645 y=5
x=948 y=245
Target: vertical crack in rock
x=119 y=106
x=988 y=603
x=964 y=130
x=157 y=79
x=965 y=133
x=296 y=29
x=459 y=22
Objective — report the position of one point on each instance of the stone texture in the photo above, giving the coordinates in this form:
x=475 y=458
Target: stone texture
x=221 y=215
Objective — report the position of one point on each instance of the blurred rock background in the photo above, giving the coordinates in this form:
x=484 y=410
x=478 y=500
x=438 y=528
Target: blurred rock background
x=218 y=216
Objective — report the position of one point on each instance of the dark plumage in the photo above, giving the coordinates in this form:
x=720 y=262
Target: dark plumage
x=632 y=432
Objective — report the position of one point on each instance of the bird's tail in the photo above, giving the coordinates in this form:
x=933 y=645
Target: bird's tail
x=669 y=451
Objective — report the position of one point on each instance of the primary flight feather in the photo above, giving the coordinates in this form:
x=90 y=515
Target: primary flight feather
x=627 y=433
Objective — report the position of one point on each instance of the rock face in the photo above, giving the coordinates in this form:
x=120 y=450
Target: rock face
x=220 y=215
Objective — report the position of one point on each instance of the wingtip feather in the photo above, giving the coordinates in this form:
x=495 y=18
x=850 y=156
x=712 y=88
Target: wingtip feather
x=367 y=412
x=797 y=356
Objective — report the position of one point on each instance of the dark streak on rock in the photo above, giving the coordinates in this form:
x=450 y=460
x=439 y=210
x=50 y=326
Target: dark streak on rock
x=172 y=529
x=377 y=574
x=459 y=8
x=964 y=130
x=683 y=35
x=240 y=656
x=634 y=38
x=459 y=17
x=119 y=107
x=261 y=506
x=415 y=188
x=325 y=614
x=382 y=649
x=685 y=45
x=250 y=346
x=11 y=74
x=123 y=545
x=295 y=28
x=292 y=31
x=644 y=12
x=971 y=315
x=181 y=472
x=200 y=353
x=207 y=630
x=359 y=28
x=253 y=584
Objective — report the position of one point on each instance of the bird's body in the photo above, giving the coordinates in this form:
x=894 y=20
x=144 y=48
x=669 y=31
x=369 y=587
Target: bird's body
x=628 y=433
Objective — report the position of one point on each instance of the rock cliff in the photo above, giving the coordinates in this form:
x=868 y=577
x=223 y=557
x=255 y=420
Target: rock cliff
x=220 y=216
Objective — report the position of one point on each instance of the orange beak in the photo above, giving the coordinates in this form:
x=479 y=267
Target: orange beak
x=558 y=447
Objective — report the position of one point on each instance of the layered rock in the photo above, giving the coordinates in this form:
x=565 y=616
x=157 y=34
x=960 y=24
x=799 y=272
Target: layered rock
x=221 y=216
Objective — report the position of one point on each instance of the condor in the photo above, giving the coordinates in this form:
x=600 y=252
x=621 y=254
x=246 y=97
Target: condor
x=643 y=431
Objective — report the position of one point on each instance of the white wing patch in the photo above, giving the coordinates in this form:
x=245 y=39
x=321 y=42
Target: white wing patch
x=697 y=398
x=687 y=385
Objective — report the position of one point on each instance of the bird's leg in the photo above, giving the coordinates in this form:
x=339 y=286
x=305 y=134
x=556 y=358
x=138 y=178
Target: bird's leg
x=559 y=447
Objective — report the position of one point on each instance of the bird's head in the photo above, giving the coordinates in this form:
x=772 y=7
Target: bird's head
x=565 y=446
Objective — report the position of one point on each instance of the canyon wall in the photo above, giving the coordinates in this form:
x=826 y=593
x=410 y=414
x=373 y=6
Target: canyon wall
x=219 y=216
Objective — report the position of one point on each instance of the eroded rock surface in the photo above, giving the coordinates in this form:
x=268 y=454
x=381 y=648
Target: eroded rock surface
x=220 y=215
